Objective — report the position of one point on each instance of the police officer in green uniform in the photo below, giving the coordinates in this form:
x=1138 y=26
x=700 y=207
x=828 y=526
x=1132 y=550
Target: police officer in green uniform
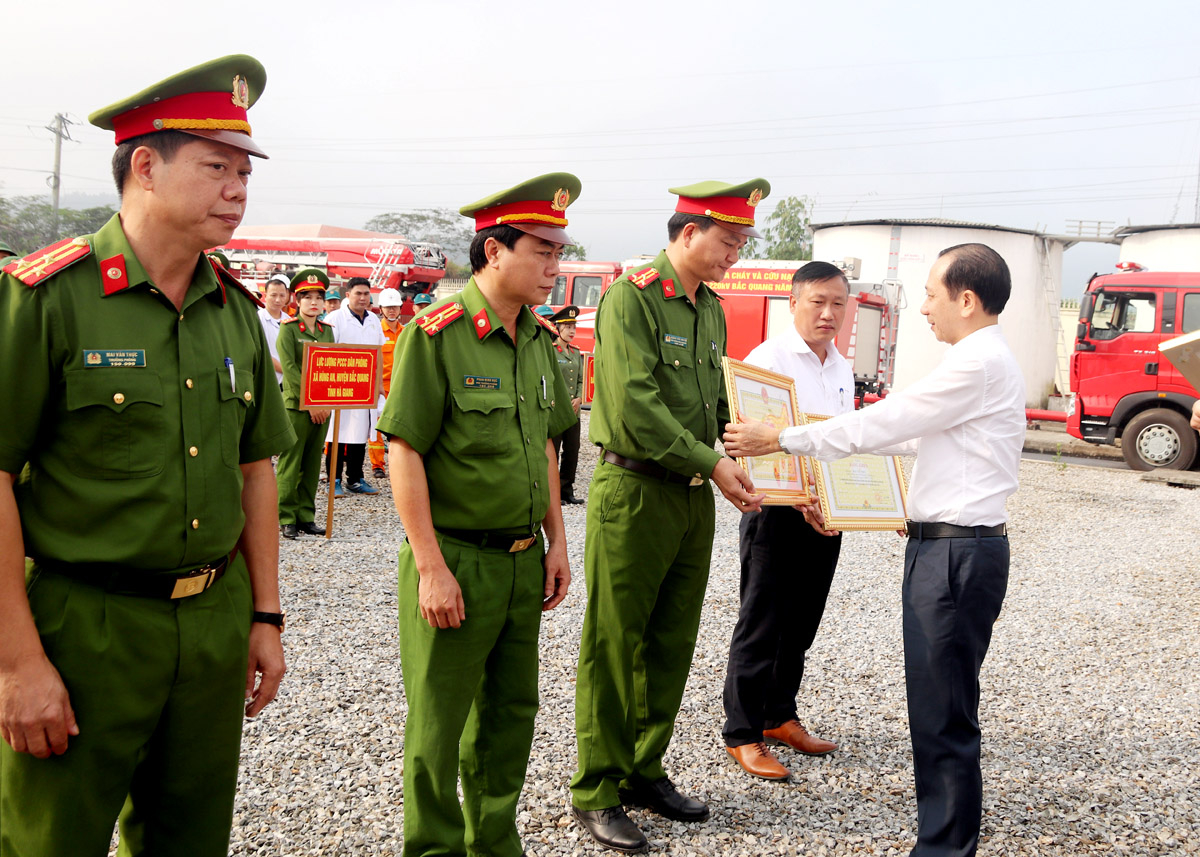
x=570 y=363
x=659 y=403
x=476 y=395
x=299 y=468
x=141 y=422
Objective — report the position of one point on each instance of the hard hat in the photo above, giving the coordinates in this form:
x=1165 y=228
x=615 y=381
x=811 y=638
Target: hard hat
x=390 y=297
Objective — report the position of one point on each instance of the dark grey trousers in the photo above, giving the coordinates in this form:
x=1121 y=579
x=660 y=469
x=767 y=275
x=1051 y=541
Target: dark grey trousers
x=952 y=592
x=787 y=569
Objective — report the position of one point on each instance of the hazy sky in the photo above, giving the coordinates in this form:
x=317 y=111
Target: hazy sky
x=1024 y=114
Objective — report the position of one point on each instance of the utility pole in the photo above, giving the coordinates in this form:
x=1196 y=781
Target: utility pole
x=61 y=132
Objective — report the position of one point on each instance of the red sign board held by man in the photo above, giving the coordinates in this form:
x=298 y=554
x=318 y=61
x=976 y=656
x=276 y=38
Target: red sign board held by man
x=340 y=376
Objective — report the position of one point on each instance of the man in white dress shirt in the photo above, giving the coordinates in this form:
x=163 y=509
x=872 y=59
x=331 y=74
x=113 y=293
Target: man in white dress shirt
x=353 y=323
x=968 y=420
x=278 y=293
x=787 y=566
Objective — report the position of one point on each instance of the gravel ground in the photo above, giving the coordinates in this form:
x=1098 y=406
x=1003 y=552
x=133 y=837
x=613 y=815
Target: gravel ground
x=1091 y=743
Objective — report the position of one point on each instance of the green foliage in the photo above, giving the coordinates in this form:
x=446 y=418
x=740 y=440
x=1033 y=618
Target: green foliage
x=27 y=222
x=455 y=271
x=574 y=253
x=437 y=225
x=788 y=232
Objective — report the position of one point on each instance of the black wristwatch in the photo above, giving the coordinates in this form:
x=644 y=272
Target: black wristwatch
x=275 y=619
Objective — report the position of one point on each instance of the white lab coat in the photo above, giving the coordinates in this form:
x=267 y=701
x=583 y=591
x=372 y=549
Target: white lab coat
x=356 y=424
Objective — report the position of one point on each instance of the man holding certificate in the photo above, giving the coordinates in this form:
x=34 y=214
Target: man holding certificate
x=968 y=420
x=787 y=568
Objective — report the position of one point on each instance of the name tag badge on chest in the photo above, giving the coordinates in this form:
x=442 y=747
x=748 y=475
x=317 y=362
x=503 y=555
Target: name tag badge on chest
x=672 y=339
x=120 y=358
x=480 y=382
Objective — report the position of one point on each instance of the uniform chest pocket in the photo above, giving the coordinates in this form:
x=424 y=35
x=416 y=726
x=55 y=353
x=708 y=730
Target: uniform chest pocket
x=482 y=422
x=236 y=400
x=676 y=374
x=115 y=417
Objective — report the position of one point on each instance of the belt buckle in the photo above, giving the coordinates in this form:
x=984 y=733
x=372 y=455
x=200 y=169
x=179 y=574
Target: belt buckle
x=696 y=480
x=193 y=583
x=523 y=544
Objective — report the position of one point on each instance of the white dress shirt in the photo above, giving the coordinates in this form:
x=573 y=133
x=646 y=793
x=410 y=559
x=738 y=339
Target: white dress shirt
x=968 y=418
x=355 y=424
x=821 y=388
x=271 y=329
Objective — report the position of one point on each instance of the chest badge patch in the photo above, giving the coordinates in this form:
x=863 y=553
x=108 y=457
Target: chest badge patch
x=122 y=358
x=480 y=382
x=672 y=339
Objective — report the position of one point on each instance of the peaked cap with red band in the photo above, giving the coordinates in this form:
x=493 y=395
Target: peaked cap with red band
x=730 y=205
x=537 y=206
x=309 y=280
x=209 y=100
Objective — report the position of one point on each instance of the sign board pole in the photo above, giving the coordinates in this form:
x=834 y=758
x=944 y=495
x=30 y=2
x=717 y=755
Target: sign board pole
x=333 y=469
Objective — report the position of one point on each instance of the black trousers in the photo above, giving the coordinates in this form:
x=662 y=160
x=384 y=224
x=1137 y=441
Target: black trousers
x=787 y=569
x=350 y=459
x=566 y=446
x=952 y=593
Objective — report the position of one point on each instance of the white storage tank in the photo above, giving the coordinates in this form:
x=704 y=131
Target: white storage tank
x=905 y=250
x=1161 y=248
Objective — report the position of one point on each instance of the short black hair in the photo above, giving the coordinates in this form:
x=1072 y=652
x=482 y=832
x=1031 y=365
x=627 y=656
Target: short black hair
x=166 y=143
x=357 y=281
x=817 y=272
x=679 y=220
x=982 y=270
x=506 y=235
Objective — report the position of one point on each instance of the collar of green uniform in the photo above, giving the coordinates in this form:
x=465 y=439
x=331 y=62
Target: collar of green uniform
x=110 y=241
x=473 y=301
x=666 y=271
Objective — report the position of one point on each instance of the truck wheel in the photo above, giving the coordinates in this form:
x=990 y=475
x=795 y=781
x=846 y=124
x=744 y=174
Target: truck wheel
x=1158 y=439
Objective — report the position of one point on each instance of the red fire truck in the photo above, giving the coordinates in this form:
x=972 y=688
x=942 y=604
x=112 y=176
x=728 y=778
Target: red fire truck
x=388 y=261
x=755 y=293
x=1124 y=388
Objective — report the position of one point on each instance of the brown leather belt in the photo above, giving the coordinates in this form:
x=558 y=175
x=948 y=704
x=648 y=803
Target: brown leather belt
x=657 y=471
x=121 y=580
x=496 y=541
x=919 y=530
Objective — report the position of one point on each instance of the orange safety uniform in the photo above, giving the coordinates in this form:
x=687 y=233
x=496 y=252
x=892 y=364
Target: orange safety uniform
x=378 y=445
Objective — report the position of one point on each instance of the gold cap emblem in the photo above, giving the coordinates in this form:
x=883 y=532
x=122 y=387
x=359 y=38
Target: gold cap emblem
x=755 y=197
x=562 y=198
x=313 y=278
x=241 y=92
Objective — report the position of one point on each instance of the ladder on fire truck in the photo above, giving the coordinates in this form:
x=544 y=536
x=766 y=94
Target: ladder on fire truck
x=389 y=255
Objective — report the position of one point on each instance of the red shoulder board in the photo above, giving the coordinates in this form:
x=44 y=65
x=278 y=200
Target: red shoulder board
x=225 y=279
x=668 y=288
x=644 y=278
x=434 y=322
x=544 y=322
x=49 y=260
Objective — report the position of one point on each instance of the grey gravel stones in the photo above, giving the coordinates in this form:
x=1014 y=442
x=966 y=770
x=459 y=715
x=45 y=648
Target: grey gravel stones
x=1089 y=713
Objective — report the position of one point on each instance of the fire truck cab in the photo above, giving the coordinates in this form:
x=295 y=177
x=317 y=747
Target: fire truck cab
x=1124 y=388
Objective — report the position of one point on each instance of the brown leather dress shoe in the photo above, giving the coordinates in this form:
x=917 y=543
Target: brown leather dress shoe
x=794 y=735
x=757 y=761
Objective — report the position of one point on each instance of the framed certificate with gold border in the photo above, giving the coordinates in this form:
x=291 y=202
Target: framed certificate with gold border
x=860 y=492
x=758 y=394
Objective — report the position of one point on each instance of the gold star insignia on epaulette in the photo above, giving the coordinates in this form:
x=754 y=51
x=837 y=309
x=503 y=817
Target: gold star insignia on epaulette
x=644 y=278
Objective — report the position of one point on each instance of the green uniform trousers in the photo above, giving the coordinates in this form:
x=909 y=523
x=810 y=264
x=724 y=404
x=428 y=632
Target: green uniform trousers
x=157 y=687
x=646 y=560
x=299 y=470
x=472 y=697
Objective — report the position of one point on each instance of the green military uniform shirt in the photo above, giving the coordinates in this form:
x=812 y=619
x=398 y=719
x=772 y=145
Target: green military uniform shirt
x=479 y=410
x=124 y=411
x=290 y=348
x=570 y=363
x=660 y=392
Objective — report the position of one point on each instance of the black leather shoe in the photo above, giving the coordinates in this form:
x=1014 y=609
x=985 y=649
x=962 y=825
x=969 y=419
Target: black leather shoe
x=309 y=528
x=612 y=828
x=662 y=797
x=289 y=531
x=568 y=497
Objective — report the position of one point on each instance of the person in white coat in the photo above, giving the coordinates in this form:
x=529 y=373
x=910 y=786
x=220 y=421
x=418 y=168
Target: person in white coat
x=353 y=324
